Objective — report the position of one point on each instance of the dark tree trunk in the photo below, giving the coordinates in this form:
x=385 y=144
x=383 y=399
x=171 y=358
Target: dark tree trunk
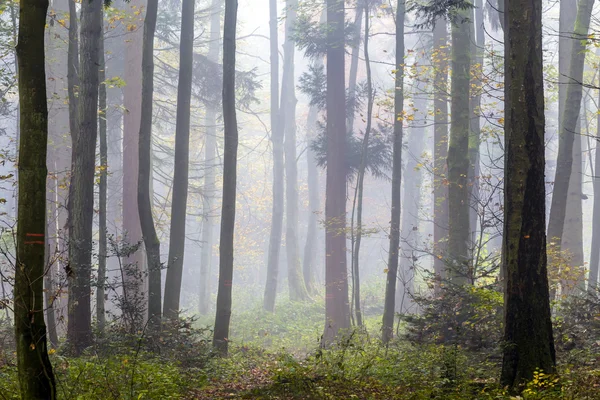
x=103 y=188
x=151 y=242
x=458 y=152
x=392 y=273
x=221 y=333
x=36 y=379
x=79 y=332
x=278 y=168
x=528 y=341
x=210 y=165
x=440 y=150
x=182 y=155
x=337 y=311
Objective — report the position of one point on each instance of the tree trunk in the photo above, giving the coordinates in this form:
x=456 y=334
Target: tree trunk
x=440 y=150
x=527 y=326
x=209 y=165
x=310 y=247
x=287 y=122
x=458 y=152
x=182 y=155
x=564 y=163
x=595 y=248
x=103 y=188
x=82 y=185
x=144 y=200
x=354 y=68
x=392 y=273
x=277 y=140
x=223 y=315
x=337 y=311
x=36 y=379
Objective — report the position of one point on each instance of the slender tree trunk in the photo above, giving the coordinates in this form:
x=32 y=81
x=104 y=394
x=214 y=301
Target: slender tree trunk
x=354 y=67
x=564 y=164
x=458 y=152
x=527 y=326
x=288 y=124
x=278 y=168
x=310 y=247
x=82 y=185
x=151 y=242
x=392 y=273
x=103 y=188
x=49 y=291
x=595 y=247
x=36 y=379
x=440 y=150
x=182 y=155
x=210 y=165
x=221 y=333
x=337 y=311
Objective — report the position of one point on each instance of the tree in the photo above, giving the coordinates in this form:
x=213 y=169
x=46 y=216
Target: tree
x=392 y=273
x=458 y=150
x=223 y=315
x=36 y=378
x=277 y=135
x=182 y=155
x=79 y=331
x=210 y=165
x=595 y=244
x=287 y=122
x=528 y=341
x=151 y=242
x=337 y=311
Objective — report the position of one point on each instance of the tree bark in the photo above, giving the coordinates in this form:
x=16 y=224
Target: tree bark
x=440 y=151
x=458 y=152
x=595 y=245
x=210 y=165
x=278 y=168
x=353 y=73
x=36 y=379
x=392 y=273
x=79 y=332
x=337 y=311
x=151 y=243
x=528 y=341
x=223 y=315
x=182 y=155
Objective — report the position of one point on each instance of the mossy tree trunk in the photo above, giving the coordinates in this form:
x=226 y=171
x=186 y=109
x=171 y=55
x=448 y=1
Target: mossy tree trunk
x=36 y=378
x=528 y=340
x=389 y=306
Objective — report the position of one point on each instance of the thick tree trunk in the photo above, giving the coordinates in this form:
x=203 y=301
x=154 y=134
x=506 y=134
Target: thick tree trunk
x=440 y=150
x=527 y=326
x=151 y=243
x=182 y=155
x=209 y=165
x=392 y=273
x=103 y=189
x=36 y=379
x=288 y=124
x=82 y=185
x=278 y=168
x=458 y=153
x=568 y=124
x=337 y=311
x=223 y=315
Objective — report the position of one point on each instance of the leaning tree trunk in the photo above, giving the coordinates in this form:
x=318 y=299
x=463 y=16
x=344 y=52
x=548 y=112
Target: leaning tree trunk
x=458 y=152
x=288 y=124
x=151 y=242
x=223 y=315
x=337 y=311
x=209 y=166
x=102 y=196
x=278 y=168
x=528 y=341
x=36 y=379
x=389 y=306
x=440 y=150
x=79 y=332
x=564 y=163
x=182 y=155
